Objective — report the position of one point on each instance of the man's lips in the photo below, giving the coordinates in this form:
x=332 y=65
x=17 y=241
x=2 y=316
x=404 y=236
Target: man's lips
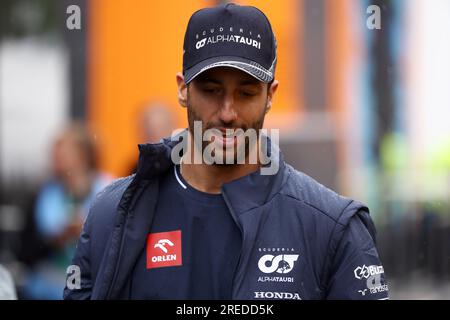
x=227 y=139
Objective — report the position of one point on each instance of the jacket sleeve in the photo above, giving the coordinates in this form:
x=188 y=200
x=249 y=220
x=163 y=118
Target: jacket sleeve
x=79 y=279
x=356 y=271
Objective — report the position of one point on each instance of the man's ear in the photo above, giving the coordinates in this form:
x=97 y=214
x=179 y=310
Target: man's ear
x=182 y=90
x=270 y=94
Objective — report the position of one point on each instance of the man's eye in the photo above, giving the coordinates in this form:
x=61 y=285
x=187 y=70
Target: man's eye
x=211 y=90
x=247 y=94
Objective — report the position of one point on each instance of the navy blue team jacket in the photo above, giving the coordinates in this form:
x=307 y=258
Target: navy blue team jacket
x=300 y=240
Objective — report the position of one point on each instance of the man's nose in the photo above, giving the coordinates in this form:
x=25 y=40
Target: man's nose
x=227 y=112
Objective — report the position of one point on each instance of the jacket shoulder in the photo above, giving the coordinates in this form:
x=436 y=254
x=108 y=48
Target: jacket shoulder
x=105 y=204
x=304 y=188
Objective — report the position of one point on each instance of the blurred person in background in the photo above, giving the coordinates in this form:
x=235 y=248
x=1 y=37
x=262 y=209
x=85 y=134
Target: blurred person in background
x=61 y=207
x=155 y=121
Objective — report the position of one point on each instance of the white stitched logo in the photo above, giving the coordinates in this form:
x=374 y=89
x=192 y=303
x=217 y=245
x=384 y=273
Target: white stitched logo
x=161 y=244
x=367 y=271
x=200 y=43
x=282 y=263
x=228 y=38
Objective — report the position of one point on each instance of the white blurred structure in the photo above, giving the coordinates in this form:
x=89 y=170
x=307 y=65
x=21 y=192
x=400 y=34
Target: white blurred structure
x=428 y=97
x=7 y=289
x=34 y=92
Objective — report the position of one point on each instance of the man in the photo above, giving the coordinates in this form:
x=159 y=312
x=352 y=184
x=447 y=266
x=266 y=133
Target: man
x=155 y=121
x=184 y=229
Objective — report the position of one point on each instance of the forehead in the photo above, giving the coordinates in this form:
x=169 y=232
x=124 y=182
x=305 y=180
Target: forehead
x=226 y=75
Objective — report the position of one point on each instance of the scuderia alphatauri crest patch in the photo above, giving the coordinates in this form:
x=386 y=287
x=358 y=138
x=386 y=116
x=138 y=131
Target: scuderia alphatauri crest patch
x=276 y=266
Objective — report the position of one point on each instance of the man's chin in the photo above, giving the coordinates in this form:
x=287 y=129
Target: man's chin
x=220 y=154
x=221 y=158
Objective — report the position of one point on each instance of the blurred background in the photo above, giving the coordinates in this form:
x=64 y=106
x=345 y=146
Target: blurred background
x=364 y=111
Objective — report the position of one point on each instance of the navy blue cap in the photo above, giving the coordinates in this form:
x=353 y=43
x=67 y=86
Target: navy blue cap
x=233 y=36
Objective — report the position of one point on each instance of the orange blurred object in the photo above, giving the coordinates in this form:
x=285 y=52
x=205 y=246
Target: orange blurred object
x=134 y=52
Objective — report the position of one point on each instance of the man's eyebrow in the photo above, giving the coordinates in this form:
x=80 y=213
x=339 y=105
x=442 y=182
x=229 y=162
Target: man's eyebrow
x=206 y=79
x=251 y=81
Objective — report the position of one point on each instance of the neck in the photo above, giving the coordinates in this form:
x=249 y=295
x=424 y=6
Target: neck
x=210 y=178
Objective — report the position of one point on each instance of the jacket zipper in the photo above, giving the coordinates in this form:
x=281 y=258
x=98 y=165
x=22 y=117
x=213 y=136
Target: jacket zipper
x=116 y=268
x=122 y=239
x=227 y=202
x=137 y=193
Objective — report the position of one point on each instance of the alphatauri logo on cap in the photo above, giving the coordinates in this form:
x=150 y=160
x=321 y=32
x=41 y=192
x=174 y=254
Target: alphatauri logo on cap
x=164 y=249
x=215 y=35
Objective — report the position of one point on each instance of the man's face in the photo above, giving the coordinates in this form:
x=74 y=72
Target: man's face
x=226 y=98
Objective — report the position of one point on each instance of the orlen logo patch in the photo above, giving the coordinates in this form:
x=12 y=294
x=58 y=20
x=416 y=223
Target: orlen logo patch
x=164 y=249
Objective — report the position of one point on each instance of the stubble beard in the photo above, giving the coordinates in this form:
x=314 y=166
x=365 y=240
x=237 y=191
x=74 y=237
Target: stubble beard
x=245 y=147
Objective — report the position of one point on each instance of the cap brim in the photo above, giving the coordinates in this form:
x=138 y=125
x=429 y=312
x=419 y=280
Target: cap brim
x=252 y=68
